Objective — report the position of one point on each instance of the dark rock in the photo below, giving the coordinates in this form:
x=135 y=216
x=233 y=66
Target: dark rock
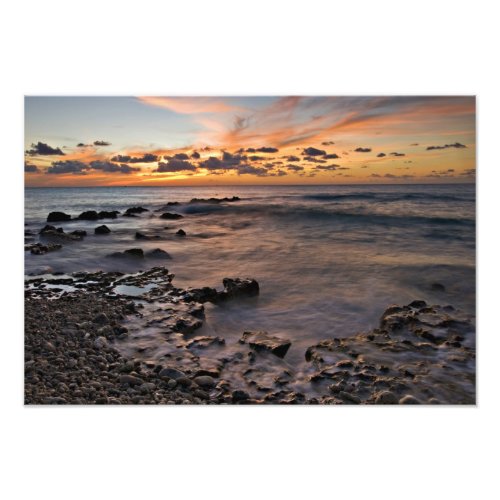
x=214 y=200
x=386 y=398
x=89 y=215
x=237 y=288
x=101 y=319
x=39 y=249
x=239 y=395
x=102 y=230
x=104 y=214
x=130 y=380
x=135 y=210
x=205 y=294
x=47 y=228
x=171 y=373
x=262 y=341
x=181 y=232
x=134 y=252
x=205 y=381
x=158 y=253
x=141 y=236
x=58 y=217
x=170 y=216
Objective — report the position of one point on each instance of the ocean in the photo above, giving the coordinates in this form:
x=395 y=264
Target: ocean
x=329 y=259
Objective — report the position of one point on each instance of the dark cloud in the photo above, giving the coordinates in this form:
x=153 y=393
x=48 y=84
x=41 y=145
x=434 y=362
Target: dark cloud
x=107 y=166
x=250 y=169
x=68 y=167
x=292 y=158
x=327 y=167
x=457 y=145
x=313 y=152
x=470 y=172
x=314 y=160
x=195 y=155
x=278 y=173
x=146 y=158
x=364 y=166
x=102 y=143
x=374 y=175
x=295 y=168
x=363 y=150
x=390 y=176
x=30 y=168
x=177 y=156
x=175 y=165
x=414 y=144
x=263 y=149
x=228 y=162
x=397 y=154
x=327 y=143
x=331 y=156
x=256 y=158
x=81 y=145
x=42 y=149
x=381 y=155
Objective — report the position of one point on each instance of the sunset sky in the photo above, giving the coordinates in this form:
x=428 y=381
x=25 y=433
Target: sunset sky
x=153 y=141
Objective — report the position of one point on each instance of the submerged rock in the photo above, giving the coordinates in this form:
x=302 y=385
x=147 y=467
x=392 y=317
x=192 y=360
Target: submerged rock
x=262 y=341
x=238 y=287
x=102 y=230
x=171 y=216
x=58 y=217
x=181 y=232
x=135 y=210
x=158 y=253
x=40 y=249
x=89 y=215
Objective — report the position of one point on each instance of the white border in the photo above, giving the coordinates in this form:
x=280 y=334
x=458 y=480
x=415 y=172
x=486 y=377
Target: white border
x=257 y=48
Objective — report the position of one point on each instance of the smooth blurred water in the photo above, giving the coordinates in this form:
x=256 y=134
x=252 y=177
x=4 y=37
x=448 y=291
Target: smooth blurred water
x=329 y=259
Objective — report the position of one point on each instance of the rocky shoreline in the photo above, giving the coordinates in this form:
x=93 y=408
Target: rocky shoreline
x=85 y=344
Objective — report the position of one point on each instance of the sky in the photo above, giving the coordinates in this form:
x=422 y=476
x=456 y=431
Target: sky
x=155 y=141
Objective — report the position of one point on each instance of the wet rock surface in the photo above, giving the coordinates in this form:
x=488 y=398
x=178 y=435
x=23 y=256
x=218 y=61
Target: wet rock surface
x=114 y=338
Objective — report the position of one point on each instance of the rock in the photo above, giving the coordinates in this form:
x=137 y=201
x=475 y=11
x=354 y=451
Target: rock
x=39 y=249
x=351 y=398
x=386 y=398
x=58 y=217
x=104 y=214
x=101 y=319
x=47 y=228
x=172 y=383
x=134 y=252
x=205 y=341
x=239 y=395
x=205 y=294
x=130 y=380
x=214 y=200
x=158 y=253
x=135 y=210
x=205 y=381
x=89 y=215
x=102 y=230
x=409 y=400
x=141 y=236
x=171 y=373
x=262 y=341
x=170 y=216
x=181 y=232
x=100 y=342
x=238 y=287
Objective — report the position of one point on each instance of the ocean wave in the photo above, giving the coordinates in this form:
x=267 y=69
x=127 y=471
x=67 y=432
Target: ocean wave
x=386 y=197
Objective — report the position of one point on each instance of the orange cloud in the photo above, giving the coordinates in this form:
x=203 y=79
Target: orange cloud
x=191 y=105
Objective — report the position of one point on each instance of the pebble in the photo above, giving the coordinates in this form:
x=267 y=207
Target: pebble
x=386 y=398
x=205 y=381
x=409 y=400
